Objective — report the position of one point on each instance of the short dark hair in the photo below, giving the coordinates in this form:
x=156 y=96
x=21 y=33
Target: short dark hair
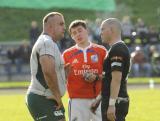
x=45 y=19
x=76 y=23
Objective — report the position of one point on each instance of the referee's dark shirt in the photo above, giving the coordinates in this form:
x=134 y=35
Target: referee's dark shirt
x=118 y=59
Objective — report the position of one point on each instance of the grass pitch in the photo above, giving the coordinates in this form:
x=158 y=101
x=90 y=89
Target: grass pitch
x=15 y=84
x=144 y=106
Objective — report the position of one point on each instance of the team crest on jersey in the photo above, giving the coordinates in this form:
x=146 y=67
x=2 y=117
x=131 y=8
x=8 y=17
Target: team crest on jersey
x=75 y=61
x=94 y=58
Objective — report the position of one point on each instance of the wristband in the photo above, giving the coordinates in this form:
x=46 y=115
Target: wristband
x=112 y=102
x=98 y=97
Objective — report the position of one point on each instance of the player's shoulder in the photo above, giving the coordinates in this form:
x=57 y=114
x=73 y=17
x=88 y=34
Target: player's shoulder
x=46 y=40
x=119 y=46
x=101 y=47
x=69 y=50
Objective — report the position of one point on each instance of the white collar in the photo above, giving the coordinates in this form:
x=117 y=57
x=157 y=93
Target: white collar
x=117 y=42
x=80 y=48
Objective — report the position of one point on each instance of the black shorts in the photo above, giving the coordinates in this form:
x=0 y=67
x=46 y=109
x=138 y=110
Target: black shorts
x=121 y=110
x=43 y=109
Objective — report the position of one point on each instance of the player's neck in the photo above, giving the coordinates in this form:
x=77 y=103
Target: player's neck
x=84 y=44
x=114 y=40
x=47 y=32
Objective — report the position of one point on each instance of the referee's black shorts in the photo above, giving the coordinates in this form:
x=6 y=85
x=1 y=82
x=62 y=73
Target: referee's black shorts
x=122 y=108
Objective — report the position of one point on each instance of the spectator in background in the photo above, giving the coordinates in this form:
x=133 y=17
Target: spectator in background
x=8 y=65
x=25 y=51
x=140 y=66
x=141 y=31
x=127 y=28
x=0 y=49
x=91 y=27
x=34 y=32
x=153 y=37
x=155 y=60
x=159 y=33
x=11 y=55
x=22 y=55
x=65 y=43
x=91 y=35
x=97 y=30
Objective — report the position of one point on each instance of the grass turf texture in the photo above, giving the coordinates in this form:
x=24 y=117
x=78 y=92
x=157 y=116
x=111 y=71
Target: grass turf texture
x=144 y=106
x=14 y=84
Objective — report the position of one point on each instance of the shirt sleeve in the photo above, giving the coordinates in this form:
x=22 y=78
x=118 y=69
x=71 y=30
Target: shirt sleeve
x=105 y=53
x=48 y=48
x=117 y=58
x=64 y=57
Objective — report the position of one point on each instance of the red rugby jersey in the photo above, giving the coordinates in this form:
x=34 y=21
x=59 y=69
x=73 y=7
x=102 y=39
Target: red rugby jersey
x=82 y=60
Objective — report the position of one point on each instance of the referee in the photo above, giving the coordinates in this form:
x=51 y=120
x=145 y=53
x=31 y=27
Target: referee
x=115 y=100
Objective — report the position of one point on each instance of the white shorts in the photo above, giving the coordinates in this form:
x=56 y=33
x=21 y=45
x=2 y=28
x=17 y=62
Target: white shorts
x=79 y=110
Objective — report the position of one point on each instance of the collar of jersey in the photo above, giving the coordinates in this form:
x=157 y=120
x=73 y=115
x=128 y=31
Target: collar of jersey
x=118 y=42
x=47 y=36
x=80 y=48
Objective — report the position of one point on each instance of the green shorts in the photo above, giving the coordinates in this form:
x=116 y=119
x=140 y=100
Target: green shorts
x=43 y=109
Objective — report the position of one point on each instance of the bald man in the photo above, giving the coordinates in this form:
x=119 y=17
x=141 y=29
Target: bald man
x=115 y=99
x=47 y=72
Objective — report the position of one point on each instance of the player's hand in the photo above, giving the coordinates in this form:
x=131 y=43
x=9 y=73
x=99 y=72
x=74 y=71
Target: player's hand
x=94 y=106
x=58 y=100
x=89 y=77
x=111 y=113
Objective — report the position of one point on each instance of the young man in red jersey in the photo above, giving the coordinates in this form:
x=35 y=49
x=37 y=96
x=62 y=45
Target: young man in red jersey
x=83 y=82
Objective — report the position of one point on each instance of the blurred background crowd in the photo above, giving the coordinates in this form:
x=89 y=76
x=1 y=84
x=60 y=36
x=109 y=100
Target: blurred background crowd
x=143 y=42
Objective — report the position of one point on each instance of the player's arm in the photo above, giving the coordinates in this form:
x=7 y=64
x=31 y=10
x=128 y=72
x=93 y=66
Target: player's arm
x=115 y=84
x=96 y=103
x=67 y=66
x=116 y=58
x=48 y=67
x=114 y=91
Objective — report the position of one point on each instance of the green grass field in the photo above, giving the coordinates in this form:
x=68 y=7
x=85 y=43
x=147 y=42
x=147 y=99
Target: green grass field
x=144 y=106
x=14 y=84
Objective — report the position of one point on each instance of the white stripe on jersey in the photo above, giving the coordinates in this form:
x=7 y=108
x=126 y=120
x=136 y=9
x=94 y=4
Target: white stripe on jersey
x=116 y=64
